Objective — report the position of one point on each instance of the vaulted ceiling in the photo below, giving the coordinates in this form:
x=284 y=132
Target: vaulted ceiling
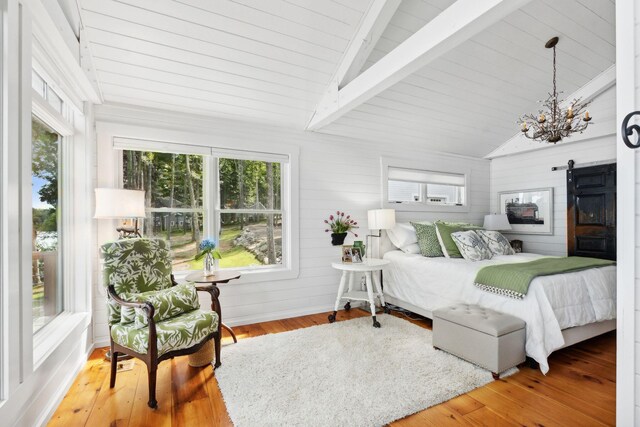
x=273 y=60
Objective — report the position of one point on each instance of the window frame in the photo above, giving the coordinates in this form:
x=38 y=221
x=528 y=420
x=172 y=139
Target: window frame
x=74 y=312
x=426 y=166
x=289 y=268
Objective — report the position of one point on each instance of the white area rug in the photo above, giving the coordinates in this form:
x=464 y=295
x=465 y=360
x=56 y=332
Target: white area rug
x=345 y=373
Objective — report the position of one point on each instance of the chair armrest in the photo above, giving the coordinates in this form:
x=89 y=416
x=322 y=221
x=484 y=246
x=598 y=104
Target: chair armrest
x=146 y=306
x=212 y=290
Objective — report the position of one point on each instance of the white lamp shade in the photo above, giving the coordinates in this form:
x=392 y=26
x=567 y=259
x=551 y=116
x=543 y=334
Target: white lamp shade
x=114 y=203
x=381 y=219
x=496 y=222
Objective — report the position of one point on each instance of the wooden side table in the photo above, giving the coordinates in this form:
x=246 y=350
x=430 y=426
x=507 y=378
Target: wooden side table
x=223 y=276
x=374 y=288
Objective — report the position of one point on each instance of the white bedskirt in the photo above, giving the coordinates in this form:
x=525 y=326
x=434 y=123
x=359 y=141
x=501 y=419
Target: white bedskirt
x=553 y=302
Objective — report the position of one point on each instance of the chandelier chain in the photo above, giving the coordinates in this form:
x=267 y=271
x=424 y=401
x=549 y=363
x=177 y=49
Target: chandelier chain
x=555 y=91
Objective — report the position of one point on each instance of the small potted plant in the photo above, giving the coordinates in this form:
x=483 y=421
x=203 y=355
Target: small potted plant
x=340 y=225
x=211 y=255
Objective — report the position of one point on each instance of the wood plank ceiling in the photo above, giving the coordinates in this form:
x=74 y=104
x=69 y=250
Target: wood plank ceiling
x=244 y=59
x=271 y=61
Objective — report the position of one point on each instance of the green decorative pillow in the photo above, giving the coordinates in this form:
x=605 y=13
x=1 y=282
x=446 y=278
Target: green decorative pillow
x=444 y=230
x=428 y=240
x=128 y=314
x=167 y=303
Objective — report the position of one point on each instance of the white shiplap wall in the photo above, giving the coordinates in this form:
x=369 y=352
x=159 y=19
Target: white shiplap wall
x=335 y=173
x=533 y=170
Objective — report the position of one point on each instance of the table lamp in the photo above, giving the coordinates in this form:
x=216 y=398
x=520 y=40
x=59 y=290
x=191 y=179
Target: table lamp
x=380 y=219
x=117 y=203
x=496 y=222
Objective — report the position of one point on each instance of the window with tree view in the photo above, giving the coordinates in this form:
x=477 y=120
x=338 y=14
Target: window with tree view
x=242 y=212
x=45 y=200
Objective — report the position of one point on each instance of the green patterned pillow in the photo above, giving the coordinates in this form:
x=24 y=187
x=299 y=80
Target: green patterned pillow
x=444 y=230
x=427 y=240
x=167 y=303
x=128 y=314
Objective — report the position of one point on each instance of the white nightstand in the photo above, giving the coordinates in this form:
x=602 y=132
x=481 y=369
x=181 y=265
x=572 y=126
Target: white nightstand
x=349 y=271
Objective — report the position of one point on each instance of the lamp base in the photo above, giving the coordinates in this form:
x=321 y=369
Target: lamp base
x=369 y=247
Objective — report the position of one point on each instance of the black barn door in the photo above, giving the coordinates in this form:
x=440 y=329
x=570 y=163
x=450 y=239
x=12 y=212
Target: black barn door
x=591 y=211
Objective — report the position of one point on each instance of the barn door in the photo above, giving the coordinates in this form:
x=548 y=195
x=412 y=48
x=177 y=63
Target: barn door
x=591 y=211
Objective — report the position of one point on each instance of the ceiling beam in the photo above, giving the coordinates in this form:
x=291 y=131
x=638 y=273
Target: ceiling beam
x=454 y=25
x=371 y=27
x=594 y=87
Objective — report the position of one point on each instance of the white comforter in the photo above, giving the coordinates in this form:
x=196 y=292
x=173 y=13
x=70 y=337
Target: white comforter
x=553 y=302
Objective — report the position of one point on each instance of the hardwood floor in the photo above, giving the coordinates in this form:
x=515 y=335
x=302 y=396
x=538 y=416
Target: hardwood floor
x=579 y=390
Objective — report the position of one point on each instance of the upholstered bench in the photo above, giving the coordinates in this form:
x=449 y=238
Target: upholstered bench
x=493 y=340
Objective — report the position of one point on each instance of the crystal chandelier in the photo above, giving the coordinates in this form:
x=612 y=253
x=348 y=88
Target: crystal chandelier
x=553 y=123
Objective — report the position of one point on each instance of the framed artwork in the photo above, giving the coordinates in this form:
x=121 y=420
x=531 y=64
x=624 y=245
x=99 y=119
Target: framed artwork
x=346 y=253
x=528 y=211
x=356 y=254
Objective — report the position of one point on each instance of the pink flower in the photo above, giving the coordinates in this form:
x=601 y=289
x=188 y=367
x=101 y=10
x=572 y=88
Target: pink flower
x=326 y=222
x=355 y=234
x=342 y=214
x=331 y=217
x=337 y=212
x=348 y=216
x=326 y=231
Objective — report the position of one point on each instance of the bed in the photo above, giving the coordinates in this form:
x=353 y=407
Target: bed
x=559 y=310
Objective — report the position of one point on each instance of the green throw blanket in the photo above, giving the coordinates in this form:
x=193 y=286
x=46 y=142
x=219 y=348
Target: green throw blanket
x=513 y=280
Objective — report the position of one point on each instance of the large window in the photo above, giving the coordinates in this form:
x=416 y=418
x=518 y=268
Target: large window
x=238 y=202
x=46 y=232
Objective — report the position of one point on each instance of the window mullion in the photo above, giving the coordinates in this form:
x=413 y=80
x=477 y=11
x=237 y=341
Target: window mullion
x=213 y=198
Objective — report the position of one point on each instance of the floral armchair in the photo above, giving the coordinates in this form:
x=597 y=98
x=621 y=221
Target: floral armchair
x=150 y=316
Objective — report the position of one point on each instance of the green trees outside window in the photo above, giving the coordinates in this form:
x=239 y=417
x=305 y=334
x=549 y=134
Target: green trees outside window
x=243 y=212
x=45 y=201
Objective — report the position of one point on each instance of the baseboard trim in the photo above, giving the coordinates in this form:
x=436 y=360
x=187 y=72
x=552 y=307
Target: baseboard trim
x=67 y=383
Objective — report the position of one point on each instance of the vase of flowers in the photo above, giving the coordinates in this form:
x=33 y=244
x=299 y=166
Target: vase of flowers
x=339 y=226
x=208 y=250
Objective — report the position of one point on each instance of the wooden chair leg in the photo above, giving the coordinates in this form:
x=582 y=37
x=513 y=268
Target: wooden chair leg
x=114 y=368
x=216 y=344
x=153 y=371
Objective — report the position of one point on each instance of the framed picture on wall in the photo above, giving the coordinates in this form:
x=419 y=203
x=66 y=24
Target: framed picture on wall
x=528 y=211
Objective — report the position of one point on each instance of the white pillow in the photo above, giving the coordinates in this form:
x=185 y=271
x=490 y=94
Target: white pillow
x=471 y=245
x=496 y=242
x=411 y=249
x=403 y=235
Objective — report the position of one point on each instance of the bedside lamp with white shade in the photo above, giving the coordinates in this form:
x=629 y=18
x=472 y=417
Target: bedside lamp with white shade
x=117 y=203
x=496 y=222
x=380 y=219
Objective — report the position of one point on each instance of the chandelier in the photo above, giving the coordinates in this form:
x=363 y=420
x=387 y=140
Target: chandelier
x=552 y=123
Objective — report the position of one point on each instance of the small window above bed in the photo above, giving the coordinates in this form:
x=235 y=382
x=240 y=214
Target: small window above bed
x=421 y=186
x=415 y=189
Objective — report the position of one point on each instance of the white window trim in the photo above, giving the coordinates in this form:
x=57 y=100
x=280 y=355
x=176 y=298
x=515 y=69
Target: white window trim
x=386 y=163
x=47 y=338
x=288 y=159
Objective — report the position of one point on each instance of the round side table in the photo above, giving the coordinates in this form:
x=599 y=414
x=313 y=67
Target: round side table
x=374 y=288
x=223 y=276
